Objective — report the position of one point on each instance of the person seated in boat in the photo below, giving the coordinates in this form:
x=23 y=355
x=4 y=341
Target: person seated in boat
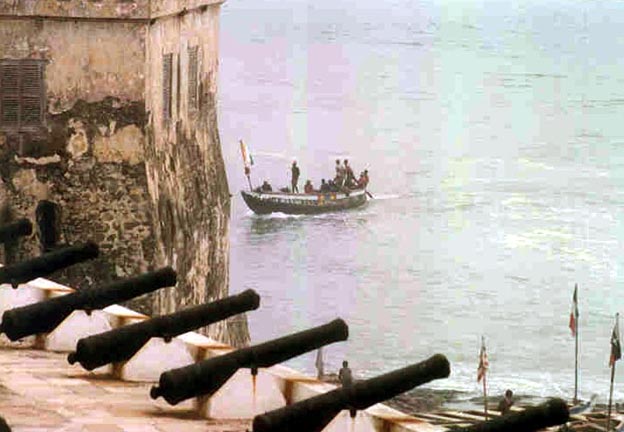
x=340 y=173
x=333 y=187
x=266 y=187
x=308 y=188
x=504 y=406
x=324 y=186
x=363 y=180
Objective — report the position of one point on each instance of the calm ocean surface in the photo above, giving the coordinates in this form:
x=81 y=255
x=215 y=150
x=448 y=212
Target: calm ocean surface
x=494 y=136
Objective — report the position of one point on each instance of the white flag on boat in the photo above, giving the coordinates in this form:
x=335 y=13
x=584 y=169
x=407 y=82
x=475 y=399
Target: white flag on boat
x=247 y=158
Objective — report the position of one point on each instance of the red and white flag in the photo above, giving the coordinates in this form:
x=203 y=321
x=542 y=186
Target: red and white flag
x=574 y=313
x=616 y=349
x=484 y=364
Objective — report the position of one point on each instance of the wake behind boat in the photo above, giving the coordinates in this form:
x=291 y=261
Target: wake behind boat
x=314 y=203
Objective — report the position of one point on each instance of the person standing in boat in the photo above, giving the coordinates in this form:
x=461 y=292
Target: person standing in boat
x=349 y=176
x=294 y=179
x=340 y=174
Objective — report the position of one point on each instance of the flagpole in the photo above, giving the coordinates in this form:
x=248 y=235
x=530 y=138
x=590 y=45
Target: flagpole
x=616 y=354
x=576 y=365
x=576 y=351
x=485 y=395
x=610 y=398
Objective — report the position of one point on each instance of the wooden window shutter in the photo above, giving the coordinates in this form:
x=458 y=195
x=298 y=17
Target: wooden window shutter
x=167 y=81
x=10 y=94
x=31 y=91
x=22 y=94
x=192 y=77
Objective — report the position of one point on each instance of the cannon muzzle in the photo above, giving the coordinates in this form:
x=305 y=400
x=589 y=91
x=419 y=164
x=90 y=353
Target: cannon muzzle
x=551 y=413
x=47 y=263
x=206 y=377
x=124 y=342
x=314 y=414
x=12 y=231
x=45 y=316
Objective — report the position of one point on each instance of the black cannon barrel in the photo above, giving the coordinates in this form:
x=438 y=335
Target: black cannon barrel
x=47 y=263
x=315 y=413
x=122 y=343
x=12 y=231
x=206 y=377
x=551 y=413
x=45 y=316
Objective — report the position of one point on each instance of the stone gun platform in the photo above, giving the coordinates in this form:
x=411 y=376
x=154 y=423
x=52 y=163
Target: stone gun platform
x=39 y=391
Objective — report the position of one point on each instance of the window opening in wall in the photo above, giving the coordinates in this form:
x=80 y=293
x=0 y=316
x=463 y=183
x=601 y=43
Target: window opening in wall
x=192 y=78
x=167 y=78
x=22 y=94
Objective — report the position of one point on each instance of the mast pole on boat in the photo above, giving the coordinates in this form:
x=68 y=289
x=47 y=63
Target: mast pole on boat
x=248 y=180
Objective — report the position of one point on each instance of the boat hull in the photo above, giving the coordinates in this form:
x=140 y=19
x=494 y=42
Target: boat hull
x=277 y=202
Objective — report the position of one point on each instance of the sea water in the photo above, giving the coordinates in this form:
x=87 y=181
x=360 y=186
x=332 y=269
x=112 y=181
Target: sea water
x=493 y=134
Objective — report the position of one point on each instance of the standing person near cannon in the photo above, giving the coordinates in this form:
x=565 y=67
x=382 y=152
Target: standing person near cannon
x=505 y=404
x=345 y=375
x=294 y=179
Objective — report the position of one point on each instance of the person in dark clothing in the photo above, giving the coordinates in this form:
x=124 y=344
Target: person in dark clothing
x=345 y=375
x=294 y=179
x=340 y=174
x=504 y=406
x=333 y=187
x=349 y=176
x=266 y=187
x=324 y=186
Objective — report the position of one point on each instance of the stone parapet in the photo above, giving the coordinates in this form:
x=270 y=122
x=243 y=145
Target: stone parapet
x=73 y=9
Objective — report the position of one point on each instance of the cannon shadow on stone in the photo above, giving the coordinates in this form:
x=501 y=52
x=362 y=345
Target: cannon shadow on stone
x=315 y=413
x=45 y=316
x=47 y=263
x=123 y=343
x=551 y=413
x=206 y=377
x=11 y=232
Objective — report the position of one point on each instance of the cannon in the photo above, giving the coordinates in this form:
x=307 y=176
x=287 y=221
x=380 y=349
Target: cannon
x=123 y=343
x=551 y=413
x=45 y=316
x=315 y=413
x=12 y=231
x=206 y=377
x=47 y=263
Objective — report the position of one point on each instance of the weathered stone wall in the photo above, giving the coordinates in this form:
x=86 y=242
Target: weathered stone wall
x=185 y=168
x=89 y=157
